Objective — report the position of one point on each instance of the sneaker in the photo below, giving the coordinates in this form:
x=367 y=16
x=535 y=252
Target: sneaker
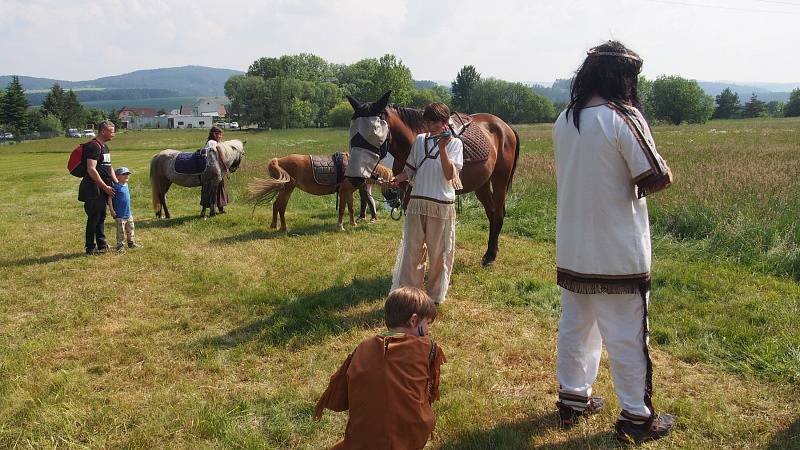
x=637 y=433
x=134 y=245
x=120 y=248
x=569 y=417
x=101 y=250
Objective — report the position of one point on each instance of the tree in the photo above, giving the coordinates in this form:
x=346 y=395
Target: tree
x=339 y=115
x=357 y=79
x=462 y=88
x=92 y=116
x=677 y=100
x=249 y=98
x=53 y=102
x=393 y=76
x=754 y=107
x=302 y=113
x=305 y=66
x=50 y=123
x=13 y=106
x=775 y=108
x=645 y=91
x=727 y=105
x=792 y=108
x=113 y=116
x=512 y=102
x=72 y=112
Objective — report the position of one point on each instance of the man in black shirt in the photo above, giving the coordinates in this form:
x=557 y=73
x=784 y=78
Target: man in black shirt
x=96 y=187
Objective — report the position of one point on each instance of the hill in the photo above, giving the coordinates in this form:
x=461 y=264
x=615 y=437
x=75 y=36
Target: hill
x=558 y=92
x=182 y=81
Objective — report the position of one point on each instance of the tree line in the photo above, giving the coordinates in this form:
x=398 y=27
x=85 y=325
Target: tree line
x=59 y=110
x=675 y=100
x=305 y=90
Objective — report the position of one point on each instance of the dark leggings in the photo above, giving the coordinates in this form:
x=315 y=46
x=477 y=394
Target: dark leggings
x=95 y=222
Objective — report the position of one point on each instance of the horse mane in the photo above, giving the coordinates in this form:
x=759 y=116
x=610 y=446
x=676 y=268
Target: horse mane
x=228 y=149
x=411 y=117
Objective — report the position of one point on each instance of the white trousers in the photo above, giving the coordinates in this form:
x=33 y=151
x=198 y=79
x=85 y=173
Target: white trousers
x=589 y=320
x=426 y=237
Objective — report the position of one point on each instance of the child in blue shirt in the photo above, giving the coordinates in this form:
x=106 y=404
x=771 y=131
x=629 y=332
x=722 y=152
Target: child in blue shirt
x=120 y=206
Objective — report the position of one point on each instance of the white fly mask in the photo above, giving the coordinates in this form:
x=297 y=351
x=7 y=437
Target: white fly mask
x=367 y=136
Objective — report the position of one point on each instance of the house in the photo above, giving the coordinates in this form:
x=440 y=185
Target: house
x=206 y=106
x=170 y=121
x=126 y=112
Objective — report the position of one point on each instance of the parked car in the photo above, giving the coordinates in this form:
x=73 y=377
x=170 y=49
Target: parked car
x=234 y=125
x=7 y=135
x=73 y=133
x=89 y=133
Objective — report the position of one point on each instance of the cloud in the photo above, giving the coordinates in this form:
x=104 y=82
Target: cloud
x=510 y=39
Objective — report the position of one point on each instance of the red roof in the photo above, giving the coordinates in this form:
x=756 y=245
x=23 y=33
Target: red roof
x=142 y=112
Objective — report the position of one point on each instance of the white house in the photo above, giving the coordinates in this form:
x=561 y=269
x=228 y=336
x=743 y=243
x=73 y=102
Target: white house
x=170 y=121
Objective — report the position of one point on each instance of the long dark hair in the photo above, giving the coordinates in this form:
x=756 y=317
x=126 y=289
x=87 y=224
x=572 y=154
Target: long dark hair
x=211 y=132
x=611 y=71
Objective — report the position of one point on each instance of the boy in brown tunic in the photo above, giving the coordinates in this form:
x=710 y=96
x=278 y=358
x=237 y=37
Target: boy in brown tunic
x=390 y=381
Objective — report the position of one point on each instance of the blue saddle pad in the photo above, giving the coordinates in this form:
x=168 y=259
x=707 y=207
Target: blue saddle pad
x=190 y=163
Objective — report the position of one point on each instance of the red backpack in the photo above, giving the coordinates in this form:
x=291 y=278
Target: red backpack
x=76 y=164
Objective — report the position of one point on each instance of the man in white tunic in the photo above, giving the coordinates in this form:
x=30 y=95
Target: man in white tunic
x=606 y=163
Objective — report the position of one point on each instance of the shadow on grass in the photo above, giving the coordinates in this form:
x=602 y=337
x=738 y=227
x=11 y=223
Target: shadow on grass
x=167 y=223
x=267 y=233
x=517 y=435
x=310 y=318
x=788 y=438
x=42 y=259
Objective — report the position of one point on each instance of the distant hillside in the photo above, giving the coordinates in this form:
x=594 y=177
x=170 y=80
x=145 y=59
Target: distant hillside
x=558 y=92
x=98 y=95
x=714 y=88
x=181 y=81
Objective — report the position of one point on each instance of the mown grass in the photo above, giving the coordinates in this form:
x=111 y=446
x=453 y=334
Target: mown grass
x=222 y=333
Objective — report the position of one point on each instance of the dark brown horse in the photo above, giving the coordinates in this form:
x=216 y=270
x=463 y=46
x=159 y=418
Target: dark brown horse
x=296 y=170
x=377 y=127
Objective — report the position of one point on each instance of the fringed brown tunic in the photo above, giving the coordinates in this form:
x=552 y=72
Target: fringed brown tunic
x=388 y=384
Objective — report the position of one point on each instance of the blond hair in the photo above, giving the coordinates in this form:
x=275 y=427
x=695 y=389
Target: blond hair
x=403 y=302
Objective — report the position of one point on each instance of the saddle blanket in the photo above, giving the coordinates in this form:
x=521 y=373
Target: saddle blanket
x=190 y=163
x=476 y=144
x=329 y=170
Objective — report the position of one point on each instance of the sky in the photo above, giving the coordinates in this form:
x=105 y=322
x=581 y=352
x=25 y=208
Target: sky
x=514 y=40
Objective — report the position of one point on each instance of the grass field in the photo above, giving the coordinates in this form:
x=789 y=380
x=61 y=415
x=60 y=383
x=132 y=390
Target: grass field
x=223 y=333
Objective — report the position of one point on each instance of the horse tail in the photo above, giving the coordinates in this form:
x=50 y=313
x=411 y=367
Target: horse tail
x=155 y=186
x=265 y=190
x=516 y=158
x=513 y=167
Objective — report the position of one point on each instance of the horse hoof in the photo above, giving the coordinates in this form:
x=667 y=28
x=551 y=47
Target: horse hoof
x=487 y=260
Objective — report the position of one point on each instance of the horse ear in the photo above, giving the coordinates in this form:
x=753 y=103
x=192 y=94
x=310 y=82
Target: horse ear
x=380 y=105
x=354 y=103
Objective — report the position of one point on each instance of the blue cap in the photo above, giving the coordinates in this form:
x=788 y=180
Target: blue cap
x=122 y=171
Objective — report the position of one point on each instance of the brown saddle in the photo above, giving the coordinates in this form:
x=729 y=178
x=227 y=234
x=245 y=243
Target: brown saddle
x=329 y=170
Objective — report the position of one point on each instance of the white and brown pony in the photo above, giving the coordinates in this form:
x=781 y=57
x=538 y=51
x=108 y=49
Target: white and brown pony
x=221 y=160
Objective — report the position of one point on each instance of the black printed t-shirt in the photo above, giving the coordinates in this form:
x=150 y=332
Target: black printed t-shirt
x=100 y=153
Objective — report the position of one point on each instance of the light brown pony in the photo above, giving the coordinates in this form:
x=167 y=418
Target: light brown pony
x=489 y=179
x=295 y=171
